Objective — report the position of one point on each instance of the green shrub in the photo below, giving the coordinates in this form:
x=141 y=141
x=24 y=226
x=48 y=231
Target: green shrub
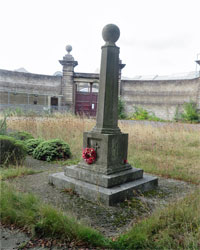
x=143 y=114
x=52 y=150
x=121 y=109
x=21 y=135
x=18 y=112
x=190 y=112
x=31 y=144
x=140 y=114
x=12 y=151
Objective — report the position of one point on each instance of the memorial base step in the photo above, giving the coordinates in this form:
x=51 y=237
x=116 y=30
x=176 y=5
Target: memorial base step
x=102 y=195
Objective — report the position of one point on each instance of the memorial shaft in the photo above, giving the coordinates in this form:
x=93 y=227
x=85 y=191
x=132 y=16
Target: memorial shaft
x=107 y=114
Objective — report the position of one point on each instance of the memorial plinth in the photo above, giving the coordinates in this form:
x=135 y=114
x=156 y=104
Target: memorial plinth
x=110 y=179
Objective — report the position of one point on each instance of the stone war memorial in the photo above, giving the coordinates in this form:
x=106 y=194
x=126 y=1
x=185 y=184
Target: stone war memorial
x=104 y=175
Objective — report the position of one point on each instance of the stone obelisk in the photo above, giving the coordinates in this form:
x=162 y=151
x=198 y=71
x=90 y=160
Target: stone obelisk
x=107 y=114
x=110 y=179
x=111 y=145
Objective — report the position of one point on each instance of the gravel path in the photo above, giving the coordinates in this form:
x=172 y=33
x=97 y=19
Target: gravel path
x=111 y=221
x=12 y=239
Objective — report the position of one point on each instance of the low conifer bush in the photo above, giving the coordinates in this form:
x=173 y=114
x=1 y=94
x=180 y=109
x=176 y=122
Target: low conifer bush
x=32 y=144
x=12 y=151
x=21 y=135
x=50 y=150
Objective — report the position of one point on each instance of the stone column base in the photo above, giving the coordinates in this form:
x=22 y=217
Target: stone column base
x=102 y=195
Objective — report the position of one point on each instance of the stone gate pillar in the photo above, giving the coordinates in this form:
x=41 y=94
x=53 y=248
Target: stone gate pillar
x=68 y=88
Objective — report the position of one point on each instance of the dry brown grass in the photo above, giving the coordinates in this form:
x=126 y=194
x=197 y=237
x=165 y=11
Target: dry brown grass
x=171 y=151
x=67 y=128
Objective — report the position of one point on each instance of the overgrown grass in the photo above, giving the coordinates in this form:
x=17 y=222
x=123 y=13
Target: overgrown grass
x=27 y=211
x=176 y=227
x=171 y=151
x=12 y=172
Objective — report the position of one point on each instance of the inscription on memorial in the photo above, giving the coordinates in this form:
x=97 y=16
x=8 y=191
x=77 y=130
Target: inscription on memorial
x=95 y=143
x=114 y=150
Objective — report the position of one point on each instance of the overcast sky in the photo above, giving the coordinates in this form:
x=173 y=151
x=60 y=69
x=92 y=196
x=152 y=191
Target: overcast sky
x=157 y=36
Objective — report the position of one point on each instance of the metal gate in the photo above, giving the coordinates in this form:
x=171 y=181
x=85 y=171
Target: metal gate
x=86 y=100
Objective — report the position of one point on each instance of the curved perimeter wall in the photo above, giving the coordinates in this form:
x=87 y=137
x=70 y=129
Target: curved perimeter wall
x=28 y=82
x=161 y=97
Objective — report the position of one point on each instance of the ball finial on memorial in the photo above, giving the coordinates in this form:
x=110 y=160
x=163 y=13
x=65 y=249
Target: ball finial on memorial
x=68 y=48
x=110 y=33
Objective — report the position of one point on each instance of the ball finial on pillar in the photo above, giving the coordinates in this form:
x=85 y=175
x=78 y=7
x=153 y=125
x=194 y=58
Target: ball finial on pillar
x=111 y=34
x=68 y=48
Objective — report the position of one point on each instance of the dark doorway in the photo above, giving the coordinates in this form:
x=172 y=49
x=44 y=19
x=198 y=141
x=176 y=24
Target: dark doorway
x=54 y=103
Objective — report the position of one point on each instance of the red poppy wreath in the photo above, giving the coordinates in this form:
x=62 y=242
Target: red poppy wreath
x=89 y=155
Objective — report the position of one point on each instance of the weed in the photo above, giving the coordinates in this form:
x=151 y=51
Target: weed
x=3 y=126
x=121 y=109
x=68 y=162
x=155 y=193
x=190 y=113
x=12 y=172
x=69 y=191
x=143 y=114
x=12 y=151
x=176 y=227
x=26 y=210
